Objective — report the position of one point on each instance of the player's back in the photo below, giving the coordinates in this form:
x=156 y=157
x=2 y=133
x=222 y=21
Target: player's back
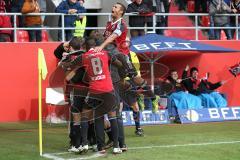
x=97 y=68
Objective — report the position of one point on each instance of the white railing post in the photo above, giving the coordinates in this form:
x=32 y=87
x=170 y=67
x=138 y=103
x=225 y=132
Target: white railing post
x=237 y=27
x=154 y=23
x=15 y=27
x=62 y=28
x=196 y=27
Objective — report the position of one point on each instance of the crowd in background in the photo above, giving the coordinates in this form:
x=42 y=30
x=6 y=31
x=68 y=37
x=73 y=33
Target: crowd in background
x=144 y=10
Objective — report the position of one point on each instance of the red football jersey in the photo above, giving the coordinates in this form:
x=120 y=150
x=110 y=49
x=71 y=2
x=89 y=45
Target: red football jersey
x=97 y=67
x=120 y=28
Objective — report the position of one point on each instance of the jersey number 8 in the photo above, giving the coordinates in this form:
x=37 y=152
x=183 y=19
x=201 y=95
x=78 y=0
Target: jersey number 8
x=97 y=66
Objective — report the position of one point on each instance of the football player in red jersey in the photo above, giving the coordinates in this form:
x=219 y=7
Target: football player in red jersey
x=116 y=34
x=101 y=97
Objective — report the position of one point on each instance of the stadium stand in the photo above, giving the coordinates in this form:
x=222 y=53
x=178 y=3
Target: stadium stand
x=22 y=36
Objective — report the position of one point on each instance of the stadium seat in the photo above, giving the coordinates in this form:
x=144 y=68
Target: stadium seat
x=223 y=35
x=168 y=33
x=44 y=36
x=205 y=21
x=190 y=6
x=22 y=36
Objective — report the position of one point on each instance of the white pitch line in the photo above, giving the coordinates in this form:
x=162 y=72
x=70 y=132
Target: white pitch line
x=55 y=156
x=184 y=145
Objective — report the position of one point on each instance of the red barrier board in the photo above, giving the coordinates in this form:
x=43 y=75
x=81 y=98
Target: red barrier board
x=19 y=75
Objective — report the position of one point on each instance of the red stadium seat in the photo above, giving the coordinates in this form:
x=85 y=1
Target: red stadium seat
x=22 y=36
x=223 y=35
x=205 y=21
x=44 y=36
x=168 y=33
x=190 y=6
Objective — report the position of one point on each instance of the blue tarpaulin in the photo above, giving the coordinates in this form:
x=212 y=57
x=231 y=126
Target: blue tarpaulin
x=157 y=43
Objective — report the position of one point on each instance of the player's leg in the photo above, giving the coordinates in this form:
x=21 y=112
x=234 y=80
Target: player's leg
x=92 y=137
x=121 y=135
x=108 y=131
x=112 y=116
x=136 y=117
x=75 y=124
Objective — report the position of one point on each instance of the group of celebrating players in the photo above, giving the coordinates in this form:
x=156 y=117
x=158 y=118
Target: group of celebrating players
x=96 y=69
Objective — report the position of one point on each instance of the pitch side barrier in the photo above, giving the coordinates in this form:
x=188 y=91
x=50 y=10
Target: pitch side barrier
x=196 y=26
x=186 y=116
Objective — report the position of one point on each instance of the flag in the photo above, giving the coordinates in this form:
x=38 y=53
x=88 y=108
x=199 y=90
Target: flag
x=235 y=69
x=42 y=66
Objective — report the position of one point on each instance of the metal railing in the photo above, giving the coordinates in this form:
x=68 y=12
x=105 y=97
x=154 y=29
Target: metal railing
x=196 y=26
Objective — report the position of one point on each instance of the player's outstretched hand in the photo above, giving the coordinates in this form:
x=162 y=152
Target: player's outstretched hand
x=98 y=49
x=187 y=68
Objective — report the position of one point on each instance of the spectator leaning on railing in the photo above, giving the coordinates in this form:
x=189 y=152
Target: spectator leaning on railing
x=43 y=8
x=8 y=5
x=32 y=6
x=16 y=7
x=5 y=22
x=220 y=7
x=80 y=24
x=236 y=9
x=137 y=21
x=70 y=7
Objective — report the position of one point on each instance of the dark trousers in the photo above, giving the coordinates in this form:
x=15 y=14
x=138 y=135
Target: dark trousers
x=35 y=35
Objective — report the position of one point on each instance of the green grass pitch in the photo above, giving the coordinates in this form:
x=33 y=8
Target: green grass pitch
x=203 y=141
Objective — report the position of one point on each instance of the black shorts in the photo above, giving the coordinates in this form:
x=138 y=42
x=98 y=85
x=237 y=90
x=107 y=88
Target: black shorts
x=116 y=87
x=101 y=103
x=77 y=99
x=128 y=68
x=129 y=97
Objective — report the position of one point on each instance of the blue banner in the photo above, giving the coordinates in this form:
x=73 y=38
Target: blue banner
x=157 y=43
x=209 y=114
x=146 y=118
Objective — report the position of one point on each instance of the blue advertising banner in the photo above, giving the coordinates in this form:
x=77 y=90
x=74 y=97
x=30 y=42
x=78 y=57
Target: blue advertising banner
x=146 y=117
x=209 y=114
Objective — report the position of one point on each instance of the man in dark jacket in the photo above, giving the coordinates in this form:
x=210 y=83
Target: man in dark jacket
x=203 y=89
x=137 y=21
x=68 y=7
x=16 y=7
x=220 y=7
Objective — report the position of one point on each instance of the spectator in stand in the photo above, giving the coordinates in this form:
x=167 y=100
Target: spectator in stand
x=80 y=23
x=69 y=7
x=181 y=4
x=235 y=5
x=8 y=5
x=157 y=6
x=32 y=6
x=43 y=8
x=137 y=6
x=5 y=22
x=200 y=7
x=16 y=7
x=167 y=4
x=220 y=7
